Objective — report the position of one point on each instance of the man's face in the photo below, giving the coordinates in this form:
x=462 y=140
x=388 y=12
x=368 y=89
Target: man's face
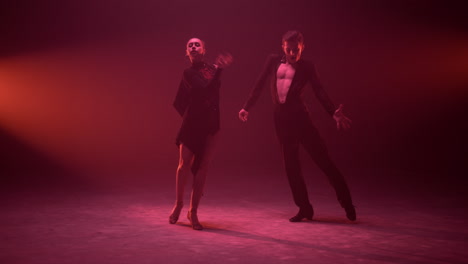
x=293 y=51
x=195 y=49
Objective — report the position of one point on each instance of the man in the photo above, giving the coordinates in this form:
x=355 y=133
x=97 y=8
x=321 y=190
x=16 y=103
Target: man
x=289 y=75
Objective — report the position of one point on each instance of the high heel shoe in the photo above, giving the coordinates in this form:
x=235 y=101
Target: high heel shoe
x=174 y=217
x=193 y=218
x=303 y=213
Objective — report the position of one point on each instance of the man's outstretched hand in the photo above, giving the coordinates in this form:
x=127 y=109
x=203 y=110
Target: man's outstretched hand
x=342 y=122
x=243 y=115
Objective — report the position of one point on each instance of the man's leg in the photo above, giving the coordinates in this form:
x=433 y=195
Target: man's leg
x=296 y=181
x=316 y=148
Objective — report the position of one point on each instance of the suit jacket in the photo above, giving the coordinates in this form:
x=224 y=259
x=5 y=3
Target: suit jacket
x=292 y=120
x=305 y=73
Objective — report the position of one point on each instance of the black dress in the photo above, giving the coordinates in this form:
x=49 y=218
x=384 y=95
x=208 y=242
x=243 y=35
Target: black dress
x=197 y=101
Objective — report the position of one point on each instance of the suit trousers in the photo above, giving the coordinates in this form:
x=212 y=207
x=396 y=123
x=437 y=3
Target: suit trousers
x=295 y=128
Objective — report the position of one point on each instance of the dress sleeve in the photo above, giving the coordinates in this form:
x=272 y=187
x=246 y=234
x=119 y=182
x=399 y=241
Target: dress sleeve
x=319 y=91
x=260 y=83
x=200 y=86
x=183 y=97
x=215 y=82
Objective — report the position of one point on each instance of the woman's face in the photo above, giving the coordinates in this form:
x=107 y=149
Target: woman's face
x=195 y=49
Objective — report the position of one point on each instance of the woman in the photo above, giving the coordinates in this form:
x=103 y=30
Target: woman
x=197 y=101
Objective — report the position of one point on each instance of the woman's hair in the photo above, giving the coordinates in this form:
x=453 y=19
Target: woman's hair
x=202 y=41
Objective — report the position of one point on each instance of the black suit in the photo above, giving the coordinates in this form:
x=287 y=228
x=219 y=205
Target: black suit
x=294 y=127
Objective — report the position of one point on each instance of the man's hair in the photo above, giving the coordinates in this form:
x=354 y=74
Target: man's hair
x=293 y=35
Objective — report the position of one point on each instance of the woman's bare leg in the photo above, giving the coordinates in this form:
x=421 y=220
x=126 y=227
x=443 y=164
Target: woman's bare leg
x=182 y=174
x=199 y=182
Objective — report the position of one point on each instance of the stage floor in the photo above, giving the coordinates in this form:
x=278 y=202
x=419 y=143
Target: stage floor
x=245 y=220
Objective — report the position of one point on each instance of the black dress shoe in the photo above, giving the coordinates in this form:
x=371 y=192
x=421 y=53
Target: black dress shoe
x=307 y=214
x=350 y=212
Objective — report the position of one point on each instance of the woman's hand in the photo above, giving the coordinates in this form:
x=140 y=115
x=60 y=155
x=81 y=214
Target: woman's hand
x=224 y=60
